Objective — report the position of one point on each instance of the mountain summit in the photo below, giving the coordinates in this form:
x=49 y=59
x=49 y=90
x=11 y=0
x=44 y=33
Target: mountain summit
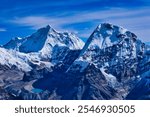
x=107 y=35
x=45 y=38
x=43 y=46
x=110 y=42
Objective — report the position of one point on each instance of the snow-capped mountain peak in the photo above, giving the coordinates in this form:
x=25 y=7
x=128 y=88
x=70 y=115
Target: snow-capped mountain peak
x=36 y=41
x=109 y=40
x=45 y=38
x=106 y=35
x=45 y=44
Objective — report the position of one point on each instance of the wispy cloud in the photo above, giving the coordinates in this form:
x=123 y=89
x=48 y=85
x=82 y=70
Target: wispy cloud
x=32 y=21
x=114 y=13
x=2 y=30
x=80 y=16
x=135 y=20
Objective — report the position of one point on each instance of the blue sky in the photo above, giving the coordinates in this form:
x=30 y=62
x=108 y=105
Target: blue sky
x=23 y=17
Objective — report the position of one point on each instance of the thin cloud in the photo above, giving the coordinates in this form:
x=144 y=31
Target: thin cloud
x=38 y=21
x=134 y=20
x=33 y=21
x=2 y=30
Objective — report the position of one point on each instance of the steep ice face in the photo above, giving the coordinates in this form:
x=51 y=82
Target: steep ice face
x=35 y=42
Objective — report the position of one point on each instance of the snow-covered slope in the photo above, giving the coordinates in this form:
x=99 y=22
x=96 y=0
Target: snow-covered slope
x=11 y=58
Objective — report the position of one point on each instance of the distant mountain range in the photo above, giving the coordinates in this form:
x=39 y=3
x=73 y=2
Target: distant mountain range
x=112 y=64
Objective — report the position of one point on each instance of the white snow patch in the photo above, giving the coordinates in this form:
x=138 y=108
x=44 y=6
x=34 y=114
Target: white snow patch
x=109 y=77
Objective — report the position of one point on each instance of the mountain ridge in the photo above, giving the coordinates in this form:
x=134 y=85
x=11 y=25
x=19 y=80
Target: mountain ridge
x=110 y=65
